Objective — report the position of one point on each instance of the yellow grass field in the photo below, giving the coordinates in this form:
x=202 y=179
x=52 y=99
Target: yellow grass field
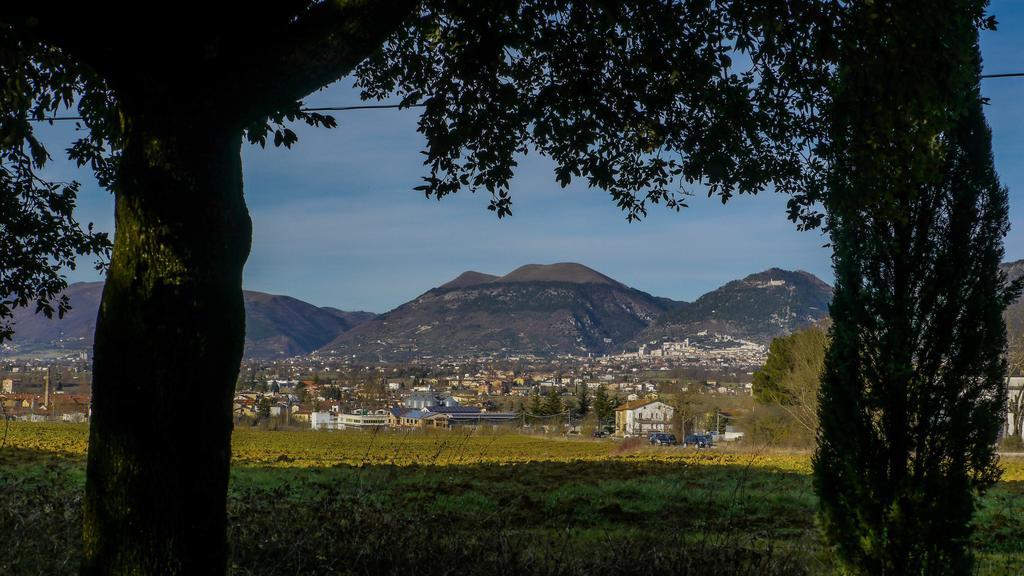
x=568 y=506
x=307 y=449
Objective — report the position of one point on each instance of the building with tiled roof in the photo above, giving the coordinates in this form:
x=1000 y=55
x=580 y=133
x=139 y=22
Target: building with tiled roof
x=642 y=417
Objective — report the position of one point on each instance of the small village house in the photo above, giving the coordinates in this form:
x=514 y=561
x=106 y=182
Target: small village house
x=642 y=417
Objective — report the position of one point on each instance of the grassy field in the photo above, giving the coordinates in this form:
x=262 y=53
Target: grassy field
x=447 y=503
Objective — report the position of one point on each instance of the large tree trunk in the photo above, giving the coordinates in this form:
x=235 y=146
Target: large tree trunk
x=169 y=341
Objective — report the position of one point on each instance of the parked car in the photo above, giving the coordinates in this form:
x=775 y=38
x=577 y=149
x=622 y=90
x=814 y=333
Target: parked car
x=662 y=439
x=599 y=434
x=698 y=440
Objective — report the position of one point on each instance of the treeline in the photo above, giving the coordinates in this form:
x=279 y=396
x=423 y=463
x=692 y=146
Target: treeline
x=601 y=405
x=786 y=389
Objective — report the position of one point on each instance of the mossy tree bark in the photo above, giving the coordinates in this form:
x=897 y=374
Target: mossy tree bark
x=168 y=345
x=171 y=328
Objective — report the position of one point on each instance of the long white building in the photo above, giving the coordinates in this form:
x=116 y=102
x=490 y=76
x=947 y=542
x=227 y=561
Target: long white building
x=362 y=420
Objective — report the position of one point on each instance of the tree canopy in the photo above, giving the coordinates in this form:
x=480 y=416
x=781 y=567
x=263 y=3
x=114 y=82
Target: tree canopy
x=648 y=100
x=791 y=376
x=39 y=235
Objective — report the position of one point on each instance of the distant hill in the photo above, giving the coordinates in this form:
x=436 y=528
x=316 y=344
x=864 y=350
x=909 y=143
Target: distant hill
x=353 y=319
x=1013 y=269
x=758 y=308
x=563 y=308
x=75 y=330
x=568 y=272
x=469 y=278
x=276 y=326
x=285 y=326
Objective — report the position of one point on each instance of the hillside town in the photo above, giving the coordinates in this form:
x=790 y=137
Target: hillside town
x=565 y=401
x=315 y=393
x=630 y=395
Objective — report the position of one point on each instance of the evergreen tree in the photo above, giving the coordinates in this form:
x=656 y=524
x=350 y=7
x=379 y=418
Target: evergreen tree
x=302 y=392
x=913 y=387
x=553 y=403
x=535 y=408
x=604 y=405
x=791 y=376
x=263 y=407
x=582 y=401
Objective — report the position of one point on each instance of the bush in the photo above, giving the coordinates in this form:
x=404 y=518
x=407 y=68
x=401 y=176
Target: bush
x=628 y=445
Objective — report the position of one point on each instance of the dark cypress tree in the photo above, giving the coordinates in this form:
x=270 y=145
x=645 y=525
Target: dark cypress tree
x=911 y=400
x=553 y=403
x=602 y=405
x=582 y=401
x=535 y=408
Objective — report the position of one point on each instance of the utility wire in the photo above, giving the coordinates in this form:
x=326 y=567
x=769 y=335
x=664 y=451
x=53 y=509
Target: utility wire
x=363 y=107
x=317 y=109
x=420 y=105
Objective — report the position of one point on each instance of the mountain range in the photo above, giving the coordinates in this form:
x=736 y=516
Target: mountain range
x=759 y=307
x=563 y=308
x=567 y=308
x=276 y=326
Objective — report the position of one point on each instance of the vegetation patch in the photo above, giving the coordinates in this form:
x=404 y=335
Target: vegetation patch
x=358 y=503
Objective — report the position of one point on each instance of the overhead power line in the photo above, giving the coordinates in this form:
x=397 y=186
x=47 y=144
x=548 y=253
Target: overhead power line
x=420 y=105
x=315 y=109
x=363 y=107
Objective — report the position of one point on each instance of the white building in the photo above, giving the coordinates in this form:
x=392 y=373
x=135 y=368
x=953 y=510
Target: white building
x=322 y=421
x=1014 y=397
x=642 y=417
x=362 y=420
x=423 y=400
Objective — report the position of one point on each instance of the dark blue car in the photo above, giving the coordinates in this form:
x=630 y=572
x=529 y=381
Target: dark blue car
x=698 y=440
x=662 y=439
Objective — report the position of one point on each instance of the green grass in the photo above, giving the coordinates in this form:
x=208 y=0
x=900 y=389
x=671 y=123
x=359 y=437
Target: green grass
x=643 y=513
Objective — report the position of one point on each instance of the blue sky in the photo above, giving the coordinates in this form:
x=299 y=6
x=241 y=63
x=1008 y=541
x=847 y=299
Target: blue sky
x=336 y=222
